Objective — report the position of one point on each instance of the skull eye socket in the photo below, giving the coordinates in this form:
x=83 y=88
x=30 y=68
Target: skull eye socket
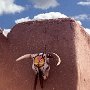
x=49 y=56
x=47 y=68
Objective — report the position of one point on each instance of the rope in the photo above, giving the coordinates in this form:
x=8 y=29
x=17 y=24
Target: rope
x=45 y=49
x=41 y=78
x=35 y=82
x=40 y=73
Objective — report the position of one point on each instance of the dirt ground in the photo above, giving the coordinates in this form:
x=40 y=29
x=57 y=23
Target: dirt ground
x=62 y=36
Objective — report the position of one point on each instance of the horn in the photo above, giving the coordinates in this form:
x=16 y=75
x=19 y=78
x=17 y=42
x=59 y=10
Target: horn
x=24 y=56
x=59 y=60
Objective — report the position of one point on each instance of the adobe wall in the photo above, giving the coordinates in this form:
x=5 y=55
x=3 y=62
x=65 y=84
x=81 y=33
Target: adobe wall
x=82 y=45
x=59 y=36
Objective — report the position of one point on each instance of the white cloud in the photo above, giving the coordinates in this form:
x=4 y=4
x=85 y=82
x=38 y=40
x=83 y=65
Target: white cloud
x=8 y=7
x=82 y=17
x=87 y=3
x=87 y=30
x=26 y=19
x=6 y=31
x=45 y=4
x=50 y=15
x=79 y=22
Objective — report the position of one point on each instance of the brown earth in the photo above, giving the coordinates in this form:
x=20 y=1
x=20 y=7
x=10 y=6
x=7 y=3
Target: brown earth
x=62 y=36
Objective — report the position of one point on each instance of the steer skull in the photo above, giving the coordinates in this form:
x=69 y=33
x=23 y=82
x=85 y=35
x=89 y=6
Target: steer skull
x=43 y=66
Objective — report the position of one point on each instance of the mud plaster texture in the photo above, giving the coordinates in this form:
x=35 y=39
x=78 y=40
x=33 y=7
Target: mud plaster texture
x=62 y=36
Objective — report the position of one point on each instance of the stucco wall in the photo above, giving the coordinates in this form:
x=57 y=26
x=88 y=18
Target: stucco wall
x=59 y=36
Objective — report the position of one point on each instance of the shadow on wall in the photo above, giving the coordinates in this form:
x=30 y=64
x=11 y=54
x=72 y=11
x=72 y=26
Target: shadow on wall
x=31 y=37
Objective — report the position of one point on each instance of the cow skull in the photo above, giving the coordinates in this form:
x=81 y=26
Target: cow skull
x=48 y=55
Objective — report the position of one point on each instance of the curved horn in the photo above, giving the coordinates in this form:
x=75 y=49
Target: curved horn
x=59 y=60
x=24 y=56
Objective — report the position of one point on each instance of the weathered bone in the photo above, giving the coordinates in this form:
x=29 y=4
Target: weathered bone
x=31 y=55
x=59 y=60
x=23 y=57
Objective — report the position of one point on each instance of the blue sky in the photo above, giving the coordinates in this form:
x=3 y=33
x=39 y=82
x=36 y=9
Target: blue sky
x=12 y=10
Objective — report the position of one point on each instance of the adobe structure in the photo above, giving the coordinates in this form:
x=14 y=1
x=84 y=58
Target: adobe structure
x=62 y=36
